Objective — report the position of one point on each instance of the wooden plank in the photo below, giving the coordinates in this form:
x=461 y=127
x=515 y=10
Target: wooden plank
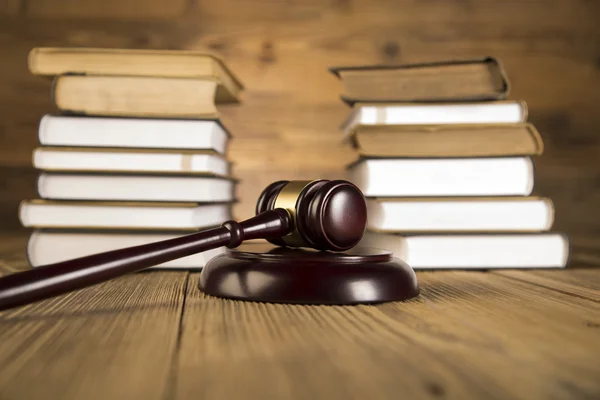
x=510 y=302
x=131 y=9
x=527 y=340
x=469 y=335
x=587 y=276
x=114 y=340
x=253 y=350
x=578 y=282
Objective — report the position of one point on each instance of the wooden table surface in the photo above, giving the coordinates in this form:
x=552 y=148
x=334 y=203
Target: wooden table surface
x=154 y=335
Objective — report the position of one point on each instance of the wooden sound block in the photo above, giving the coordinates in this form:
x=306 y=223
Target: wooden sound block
x=267 y=273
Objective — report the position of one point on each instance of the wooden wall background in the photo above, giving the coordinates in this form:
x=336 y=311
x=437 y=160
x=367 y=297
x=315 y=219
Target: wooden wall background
x=287 y=127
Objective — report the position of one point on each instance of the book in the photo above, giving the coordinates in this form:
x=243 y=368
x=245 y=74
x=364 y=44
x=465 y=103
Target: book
x=122 y=215
x=474 y=79
x=48 y=247
x=148 y=133
x=424 y=177
x=114 y=187
x=475 y=251
x=485 y=140
x=466 y=214
x=129 y=160
x=52 y=61
x=135 y=96
x=497 y=112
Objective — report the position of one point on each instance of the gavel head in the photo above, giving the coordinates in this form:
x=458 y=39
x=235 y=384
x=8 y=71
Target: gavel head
x=327 y=215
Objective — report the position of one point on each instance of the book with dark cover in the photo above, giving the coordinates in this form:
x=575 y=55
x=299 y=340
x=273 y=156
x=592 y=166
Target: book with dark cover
x=477 y=79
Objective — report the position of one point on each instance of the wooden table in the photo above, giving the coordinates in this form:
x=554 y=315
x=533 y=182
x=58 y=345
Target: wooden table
x=153 y=335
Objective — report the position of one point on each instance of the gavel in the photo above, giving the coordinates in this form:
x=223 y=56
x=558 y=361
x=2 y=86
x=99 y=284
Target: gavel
x=327 y=215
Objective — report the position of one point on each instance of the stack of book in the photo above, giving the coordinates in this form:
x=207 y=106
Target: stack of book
x=137 y=152
x=445 y=161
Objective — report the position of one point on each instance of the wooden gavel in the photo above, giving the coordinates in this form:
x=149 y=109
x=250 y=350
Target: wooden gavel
x=321 y=214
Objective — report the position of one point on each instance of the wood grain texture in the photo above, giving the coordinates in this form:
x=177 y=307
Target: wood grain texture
x=287 y=126
x=115 y=340
x=469 y=335
x=583 y=283
x=134 y=9
x=10 y=7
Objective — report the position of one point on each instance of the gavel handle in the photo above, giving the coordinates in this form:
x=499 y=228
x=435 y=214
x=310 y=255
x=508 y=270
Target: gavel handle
x=54 y=279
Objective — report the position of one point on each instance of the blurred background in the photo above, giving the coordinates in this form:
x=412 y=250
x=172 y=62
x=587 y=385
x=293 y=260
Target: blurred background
x=287 y=126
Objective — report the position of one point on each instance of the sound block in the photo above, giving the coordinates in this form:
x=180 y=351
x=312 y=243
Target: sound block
x=267 y=273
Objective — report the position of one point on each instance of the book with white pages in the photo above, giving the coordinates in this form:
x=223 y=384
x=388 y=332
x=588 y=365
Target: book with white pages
x=45 y=214
x=495 y=112
x=147 y=133
x=48 y=247
x=126 y=187
x=475 y=251
x=460 y=214
x=447 y=177
x=130 y=160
